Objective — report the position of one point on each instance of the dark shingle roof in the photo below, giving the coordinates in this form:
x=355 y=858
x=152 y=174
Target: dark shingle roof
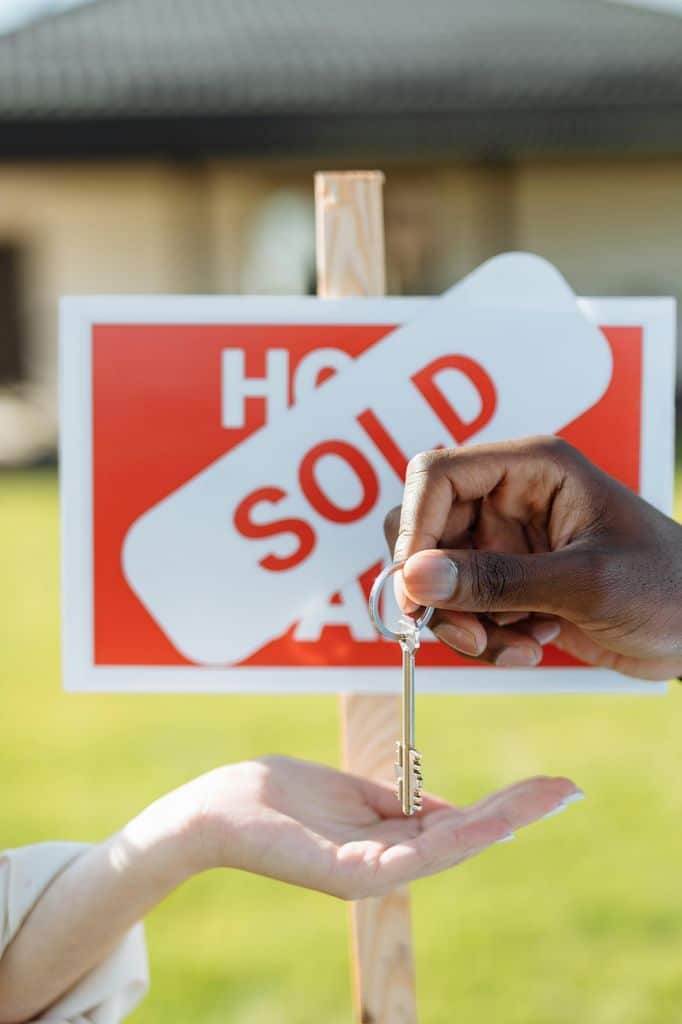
x=207 y=74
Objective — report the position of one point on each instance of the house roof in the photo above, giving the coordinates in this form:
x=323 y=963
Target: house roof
x=491 y=77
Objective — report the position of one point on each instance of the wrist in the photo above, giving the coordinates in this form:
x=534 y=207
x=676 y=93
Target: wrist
x=202 y=825
x=218 y=812
x=199 y=824
x=158 y=844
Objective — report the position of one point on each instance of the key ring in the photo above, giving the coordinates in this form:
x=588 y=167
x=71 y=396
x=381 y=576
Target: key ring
x=375 y=595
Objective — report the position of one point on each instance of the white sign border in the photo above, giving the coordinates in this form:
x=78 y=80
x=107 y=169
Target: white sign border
x=78 y=314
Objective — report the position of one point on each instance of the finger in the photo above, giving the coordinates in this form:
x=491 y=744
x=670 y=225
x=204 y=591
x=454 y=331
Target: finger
x=508 y=618
x=460 y=631
x=510 y=648
x=402 y=600
x=489 y=581
x=543 y=628
x=486 y=805
x=518 y=803
x=497 y=532
x=521 y=645
x=527 y=801
x=455 y=535
x=502 y=646
x=460 y=518
x=392 y=526
x=437 y=480
x=454 y=838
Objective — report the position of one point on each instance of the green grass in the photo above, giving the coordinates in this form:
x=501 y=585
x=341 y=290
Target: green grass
x=580 y=919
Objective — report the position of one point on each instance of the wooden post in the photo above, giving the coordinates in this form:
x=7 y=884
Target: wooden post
x=351 y=261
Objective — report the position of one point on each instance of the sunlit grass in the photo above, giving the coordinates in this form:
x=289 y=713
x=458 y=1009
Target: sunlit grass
x=580 y=919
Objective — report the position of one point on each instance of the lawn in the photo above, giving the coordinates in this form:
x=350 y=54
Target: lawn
x=579 y=920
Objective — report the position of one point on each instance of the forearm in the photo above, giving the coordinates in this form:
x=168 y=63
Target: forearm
x=88 y=908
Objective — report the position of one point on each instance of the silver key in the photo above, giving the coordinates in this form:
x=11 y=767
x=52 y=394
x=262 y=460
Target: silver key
x=408 y=760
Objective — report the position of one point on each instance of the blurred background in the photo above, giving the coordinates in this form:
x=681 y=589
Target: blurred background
x=159 y=146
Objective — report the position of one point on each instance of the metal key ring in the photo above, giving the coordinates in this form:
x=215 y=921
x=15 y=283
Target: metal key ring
x=375 y=595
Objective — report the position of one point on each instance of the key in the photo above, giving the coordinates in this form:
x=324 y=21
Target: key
x=408 y=760
x=408 y=765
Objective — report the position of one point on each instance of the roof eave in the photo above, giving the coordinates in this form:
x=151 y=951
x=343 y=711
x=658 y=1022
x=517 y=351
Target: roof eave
x=474 y=133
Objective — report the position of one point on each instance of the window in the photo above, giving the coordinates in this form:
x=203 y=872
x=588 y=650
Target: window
x=11 y=321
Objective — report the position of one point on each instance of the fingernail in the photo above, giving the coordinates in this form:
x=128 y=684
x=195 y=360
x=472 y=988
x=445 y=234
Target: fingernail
x=573 y=798
x=508 y=618
x=555 y=810
x=545 y=632
x=430 y=577
x=401 y=597
x=455 y=636
x=517 y=657
x=506 y=839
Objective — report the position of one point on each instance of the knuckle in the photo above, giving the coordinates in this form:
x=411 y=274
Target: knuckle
x=262 y=771
x=424 y=463
x=554 y=448
x=493 y=577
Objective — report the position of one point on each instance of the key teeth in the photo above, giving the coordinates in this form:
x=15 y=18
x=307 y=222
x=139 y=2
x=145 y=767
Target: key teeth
x=409 y=759
x=417 y=779
x=398 y=770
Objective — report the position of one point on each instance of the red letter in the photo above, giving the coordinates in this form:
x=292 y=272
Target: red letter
x=360 y=466
x=255 y=531
x=424 y=381
x=375 y=429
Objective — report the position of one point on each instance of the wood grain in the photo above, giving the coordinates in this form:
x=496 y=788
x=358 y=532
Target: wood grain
x=349 y=222
x=351 y=261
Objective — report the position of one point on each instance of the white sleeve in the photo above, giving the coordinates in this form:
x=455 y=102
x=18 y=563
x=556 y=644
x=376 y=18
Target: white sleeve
x=109 y=991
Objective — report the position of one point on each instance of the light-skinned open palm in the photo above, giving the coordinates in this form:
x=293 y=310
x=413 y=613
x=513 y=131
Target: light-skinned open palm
x=312 y=826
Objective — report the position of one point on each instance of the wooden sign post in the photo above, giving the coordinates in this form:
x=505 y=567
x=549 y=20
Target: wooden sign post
x=351 y=262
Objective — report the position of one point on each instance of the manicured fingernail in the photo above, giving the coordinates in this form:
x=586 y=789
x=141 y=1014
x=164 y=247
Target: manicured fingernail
x=401 y=597
x=555 y=810
x=506 y=839
x=455 y=636
x=517 y=657
x=545 y=632
x=430 y=577
x=573 y=798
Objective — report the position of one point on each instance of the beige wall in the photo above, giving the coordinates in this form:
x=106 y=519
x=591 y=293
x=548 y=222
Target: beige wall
x=612 y=227
x=90 y=229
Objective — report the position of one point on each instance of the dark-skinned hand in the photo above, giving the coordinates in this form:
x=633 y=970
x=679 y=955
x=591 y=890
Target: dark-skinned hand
x=523 y=543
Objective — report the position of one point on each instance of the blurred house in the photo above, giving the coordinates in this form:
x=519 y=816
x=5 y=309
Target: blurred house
x=168 y=146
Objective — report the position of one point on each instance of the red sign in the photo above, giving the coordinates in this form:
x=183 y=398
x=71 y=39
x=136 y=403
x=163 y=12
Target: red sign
x=156 y=402
x=226 y=465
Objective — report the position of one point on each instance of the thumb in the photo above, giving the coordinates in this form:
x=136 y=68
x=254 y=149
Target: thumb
x=490 y=581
